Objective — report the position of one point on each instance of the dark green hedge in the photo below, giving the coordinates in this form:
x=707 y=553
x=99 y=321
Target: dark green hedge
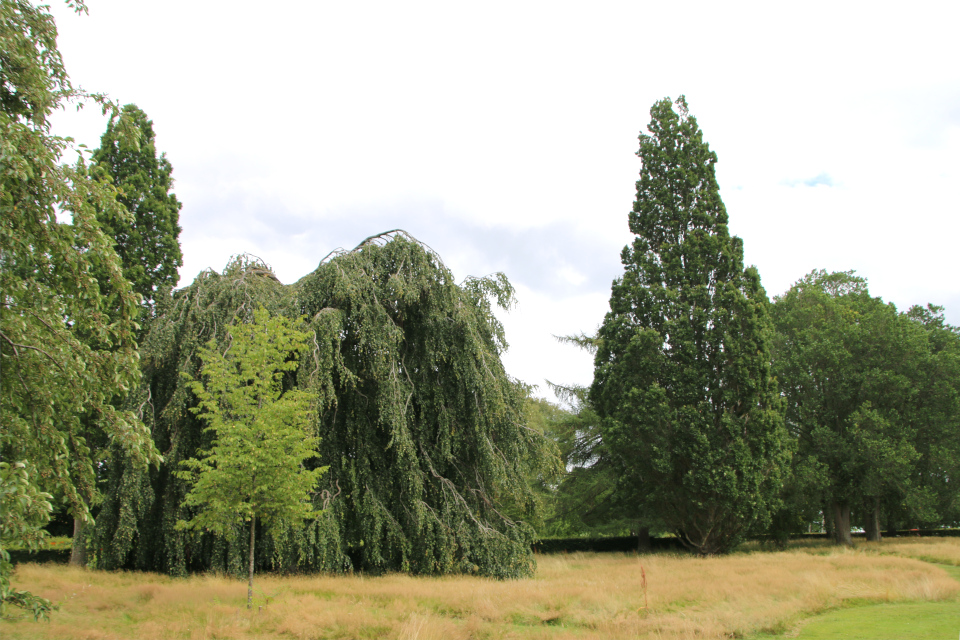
x=61 y=556
x=619 y=543
x=554 y=545
x=903 y=533
x=629 y=543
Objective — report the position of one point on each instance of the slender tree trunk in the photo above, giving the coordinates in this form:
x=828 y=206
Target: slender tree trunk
x=872 y=524
x=841 y=523
x=78 y=555
x=253 y=525
x=643 y=539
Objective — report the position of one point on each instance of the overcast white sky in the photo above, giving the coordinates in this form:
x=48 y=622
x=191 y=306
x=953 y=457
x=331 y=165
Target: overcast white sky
x=503 y=135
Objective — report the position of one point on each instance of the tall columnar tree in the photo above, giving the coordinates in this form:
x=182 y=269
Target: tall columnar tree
x=148 y=242
x=871 y=422
x=682 y=376
x=67 y=314
x=263 y=434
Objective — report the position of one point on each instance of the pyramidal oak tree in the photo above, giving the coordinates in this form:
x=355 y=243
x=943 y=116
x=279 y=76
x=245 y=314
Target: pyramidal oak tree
x=682 y=372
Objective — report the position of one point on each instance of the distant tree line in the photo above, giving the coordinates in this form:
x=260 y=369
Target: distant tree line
x=361 y=418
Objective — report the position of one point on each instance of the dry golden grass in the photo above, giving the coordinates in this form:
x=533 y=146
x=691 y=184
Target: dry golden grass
x=939 y=550
x=572 y=596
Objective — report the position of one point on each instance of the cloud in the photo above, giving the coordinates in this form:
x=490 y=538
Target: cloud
x=557 y=259
x=822 y=179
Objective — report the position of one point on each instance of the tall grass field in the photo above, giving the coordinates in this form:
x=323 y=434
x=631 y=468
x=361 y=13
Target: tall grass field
x=583 y=595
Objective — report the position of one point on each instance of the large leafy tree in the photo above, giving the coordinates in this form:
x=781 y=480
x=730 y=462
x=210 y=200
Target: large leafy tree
x=67 y=313
x=936 y=414
x=424 y=433
x=871 y=401
x=145 y=235
x=147 y=240
x=262 y=434
x=136 y=525
x=682 y=378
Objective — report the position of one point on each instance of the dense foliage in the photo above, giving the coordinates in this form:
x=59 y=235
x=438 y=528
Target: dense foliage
x=147 y=240
x=145 y=235
x=872 y=401
x=682 y=378
x=424 y=430
x=421 y=428
x=67 y=315
x=136 y=526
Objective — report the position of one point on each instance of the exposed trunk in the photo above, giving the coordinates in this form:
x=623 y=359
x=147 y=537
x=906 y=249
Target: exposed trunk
x=871 y=524
x=78 y=555
x=253 y=526
x=841 y=523
x=643 y=539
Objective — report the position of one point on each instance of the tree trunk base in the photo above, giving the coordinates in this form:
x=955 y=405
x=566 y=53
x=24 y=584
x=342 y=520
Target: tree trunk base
x=253 y=528
x=841 y=519
x=78 y=555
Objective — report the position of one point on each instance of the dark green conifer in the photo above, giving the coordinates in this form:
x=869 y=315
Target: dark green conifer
x=682 y=374
x=148 y=243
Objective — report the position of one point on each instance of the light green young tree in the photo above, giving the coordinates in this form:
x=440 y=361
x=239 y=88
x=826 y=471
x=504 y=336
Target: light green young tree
x=262 y=434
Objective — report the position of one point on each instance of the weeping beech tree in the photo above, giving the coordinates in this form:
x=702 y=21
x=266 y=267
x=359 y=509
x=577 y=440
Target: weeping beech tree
x=136 y=524
x=426 y=432
x=420 y=426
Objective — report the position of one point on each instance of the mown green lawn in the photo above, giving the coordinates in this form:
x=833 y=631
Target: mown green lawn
x=908 y=621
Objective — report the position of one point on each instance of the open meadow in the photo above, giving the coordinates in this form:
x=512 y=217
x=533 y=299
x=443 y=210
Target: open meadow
x=580 y=595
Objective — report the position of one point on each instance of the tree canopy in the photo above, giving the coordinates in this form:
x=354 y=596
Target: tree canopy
x=147 y=240
x=682 y=377
x=421 y=428
x=136 y=525
x=67 y=315
x=871 y=401
x=421 y=409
